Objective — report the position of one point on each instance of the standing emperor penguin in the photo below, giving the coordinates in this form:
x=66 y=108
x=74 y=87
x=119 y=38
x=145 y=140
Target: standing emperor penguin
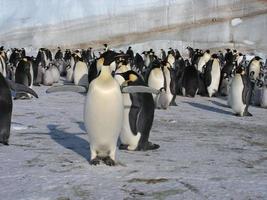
x=203 y=60
x=138 y=114
x=103 y=115
x=212 y=74
x=80 y=74
x=24 y=76
x=162 y=77
x=240 y=93
x=6 y=105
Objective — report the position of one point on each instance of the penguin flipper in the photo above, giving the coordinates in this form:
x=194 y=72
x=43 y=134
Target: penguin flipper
x=21 y=88
x=67 y=88
x=139 y=89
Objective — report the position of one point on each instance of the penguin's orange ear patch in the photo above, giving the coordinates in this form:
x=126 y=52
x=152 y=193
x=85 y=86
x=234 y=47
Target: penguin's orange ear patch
x=132 y=77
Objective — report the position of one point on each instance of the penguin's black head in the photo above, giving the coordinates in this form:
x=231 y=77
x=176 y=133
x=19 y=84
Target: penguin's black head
x=257 y=58
x=208 y=51
x=214 y=56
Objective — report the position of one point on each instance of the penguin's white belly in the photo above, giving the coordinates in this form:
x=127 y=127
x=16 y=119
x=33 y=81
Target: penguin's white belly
x=127 y=136
x=2 y=66
x=254 y=67
x=80 y=74
x=215 y=78
x=55 y=74
x=156 y=80
x=200 y=65
x=235 y=94
x=69 y=76
x=103 y=116
x=263 y=98
x=48 y=78
x=169 y=95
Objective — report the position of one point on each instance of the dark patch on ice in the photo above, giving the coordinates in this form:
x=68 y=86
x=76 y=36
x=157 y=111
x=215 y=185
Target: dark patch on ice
x=190 y=187
x=166 y=193
x=63 y=198
x=208 y=108
x=219 y=104
x=147 y=181
x=70 y=141
x=81 y=126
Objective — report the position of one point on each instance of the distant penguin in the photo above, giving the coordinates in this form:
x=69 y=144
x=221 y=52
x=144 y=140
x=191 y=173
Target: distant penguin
x=203 y=60
x=190 y=81
x=263 y=96
x=47 y=79
x=254 y=68
x=3 y=63
x=59 y=54
x=138 y=115
x=156 y=78
x=162 y=54
x=240 y=93
x=6 y=105
x=24 y=76
x=103 y=116
x=55 y=73
x=80 y=74
x=70 y=70
x=139 y=63
x=171 y=58
x=212 y=74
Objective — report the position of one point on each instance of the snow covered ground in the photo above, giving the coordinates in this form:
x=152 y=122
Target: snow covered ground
x=206 y=153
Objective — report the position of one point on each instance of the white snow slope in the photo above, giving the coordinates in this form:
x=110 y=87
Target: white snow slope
x=206 y=153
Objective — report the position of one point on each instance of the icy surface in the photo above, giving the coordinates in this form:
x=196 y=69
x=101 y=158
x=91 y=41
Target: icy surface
x=206 y=153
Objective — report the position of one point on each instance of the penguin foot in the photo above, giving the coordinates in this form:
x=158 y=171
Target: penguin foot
x=108 y=161
x=173 y=103
x=4 y=143
x=248 y=114
x=123 y=147
x=95 y=161
x=149 y=146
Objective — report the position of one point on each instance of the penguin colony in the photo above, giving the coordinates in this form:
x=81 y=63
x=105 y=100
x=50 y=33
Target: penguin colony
x=136 y=84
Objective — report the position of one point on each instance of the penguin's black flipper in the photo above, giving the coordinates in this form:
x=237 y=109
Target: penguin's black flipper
x=207 y=73
x=246 y=94
x=67 y=88
x=21 y=88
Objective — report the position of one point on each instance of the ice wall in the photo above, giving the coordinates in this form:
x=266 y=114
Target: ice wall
x=211 y=24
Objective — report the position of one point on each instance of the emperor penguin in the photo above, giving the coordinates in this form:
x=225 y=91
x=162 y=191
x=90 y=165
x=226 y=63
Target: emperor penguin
x=138 y=115
x=6 y=105
x=240 y=93
x=203 y=60
x=162 y=77
x=3 y=63
x=212 y=74
x=47 y=78
x=263 y=96
x=190 y=80
x=254 y=68
x=103 y=115
x=24 y=76
x=70 y=70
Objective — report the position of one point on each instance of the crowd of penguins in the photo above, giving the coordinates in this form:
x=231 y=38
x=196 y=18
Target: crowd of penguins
x=123 y=89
